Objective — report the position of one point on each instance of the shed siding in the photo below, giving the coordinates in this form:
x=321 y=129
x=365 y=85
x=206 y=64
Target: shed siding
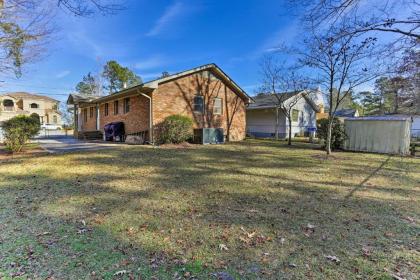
x=378 y=136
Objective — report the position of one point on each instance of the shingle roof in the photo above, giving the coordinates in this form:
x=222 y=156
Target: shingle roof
x=78 y=98
x=19 y=95
x=150 y=85
x=346 y=113
x=270 y=101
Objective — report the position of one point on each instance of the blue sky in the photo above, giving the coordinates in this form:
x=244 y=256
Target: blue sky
x=161 y=35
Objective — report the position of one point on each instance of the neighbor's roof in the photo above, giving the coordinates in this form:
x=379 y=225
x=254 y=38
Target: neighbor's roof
x=150 y=85
x=23 y=95
x=346 y=113
x=268 y=101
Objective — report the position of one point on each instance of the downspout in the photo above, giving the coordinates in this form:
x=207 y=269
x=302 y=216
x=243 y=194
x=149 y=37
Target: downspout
x=150 y=117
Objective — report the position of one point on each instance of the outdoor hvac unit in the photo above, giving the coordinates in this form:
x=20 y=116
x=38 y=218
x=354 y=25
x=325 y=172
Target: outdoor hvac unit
x=209 y=136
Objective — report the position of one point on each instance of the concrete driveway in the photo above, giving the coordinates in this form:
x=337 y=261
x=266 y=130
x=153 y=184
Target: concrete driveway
x=63 y=144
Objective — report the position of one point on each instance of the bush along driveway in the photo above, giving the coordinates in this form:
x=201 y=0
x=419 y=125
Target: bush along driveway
x=249 y=210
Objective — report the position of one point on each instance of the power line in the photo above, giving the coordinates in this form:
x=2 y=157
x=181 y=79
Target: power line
x=42 y=93
x=34 y=86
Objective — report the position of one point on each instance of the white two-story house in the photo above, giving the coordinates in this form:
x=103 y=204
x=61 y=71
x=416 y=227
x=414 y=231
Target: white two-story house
x=23 y=103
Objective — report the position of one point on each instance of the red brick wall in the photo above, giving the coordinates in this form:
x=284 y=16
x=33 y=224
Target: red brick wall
x=177 y=97
x=90 y=124
x=136 y=120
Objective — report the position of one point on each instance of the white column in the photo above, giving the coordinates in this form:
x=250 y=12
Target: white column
x=97 y=118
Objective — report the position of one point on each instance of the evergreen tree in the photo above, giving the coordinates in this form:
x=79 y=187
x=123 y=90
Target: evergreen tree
x=119 y=77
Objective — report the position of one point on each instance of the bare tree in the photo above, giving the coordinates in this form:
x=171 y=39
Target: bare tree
x=90 y=7
x=27 y=26
x=341 y=65
x=287 y=88
x=364 y=16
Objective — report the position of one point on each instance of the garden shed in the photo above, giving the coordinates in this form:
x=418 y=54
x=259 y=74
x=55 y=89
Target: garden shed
x=389 y=135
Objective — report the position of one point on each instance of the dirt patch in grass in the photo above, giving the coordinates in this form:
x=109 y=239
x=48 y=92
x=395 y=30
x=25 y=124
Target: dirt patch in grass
x=184 y=145
x=28 y=150
x=335 y=156
x=249 y=210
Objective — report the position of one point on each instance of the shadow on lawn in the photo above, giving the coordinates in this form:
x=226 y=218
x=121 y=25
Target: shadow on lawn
x=211 y=193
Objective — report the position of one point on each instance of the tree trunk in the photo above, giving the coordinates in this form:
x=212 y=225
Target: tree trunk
x=328 y=143
x=277 y=123
x=289 y=141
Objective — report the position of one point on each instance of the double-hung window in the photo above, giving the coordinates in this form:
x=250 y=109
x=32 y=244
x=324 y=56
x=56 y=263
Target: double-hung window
x=91 y=110
x=218 y=107
x=106 y=109
x=116 y=107
x=85 y=115
x=295 y=115
x=198 y=104
x=126 y=105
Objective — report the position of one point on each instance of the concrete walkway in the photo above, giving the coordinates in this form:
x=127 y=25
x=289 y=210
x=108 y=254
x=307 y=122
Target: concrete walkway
x=65 y=144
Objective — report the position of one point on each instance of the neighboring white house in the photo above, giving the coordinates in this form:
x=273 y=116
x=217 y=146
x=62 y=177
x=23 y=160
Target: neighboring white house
x=415 y=123
x=261 y=115
x=415 y=126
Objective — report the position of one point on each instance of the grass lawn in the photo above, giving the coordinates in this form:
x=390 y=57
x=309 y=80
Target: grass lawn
x=253 y=210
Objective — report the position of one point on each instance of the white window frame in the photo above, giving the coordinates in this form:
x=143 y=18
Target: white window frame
x=221 y=106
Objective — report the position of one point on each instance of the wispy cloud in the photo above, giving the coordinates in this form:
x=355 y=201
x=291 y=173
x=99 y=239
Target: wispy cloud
x=153 y=62
x=285 y=36
x=62 y=74
x=172 y=13
x=149 y=76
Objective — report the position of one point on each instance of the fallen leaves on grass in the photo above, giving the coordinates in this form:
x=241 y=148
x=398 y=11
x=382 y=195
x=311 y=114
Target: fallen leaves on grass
x=309 y=230
x=223 y=247
x=409 y=219
x=120 y=273
x=333 y=259
x=366 y=252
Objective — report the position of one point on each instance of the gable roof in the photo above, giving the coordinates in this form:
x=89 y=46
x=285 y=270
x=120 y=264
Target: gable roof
x=153 y=84
x=212 y=67
x=77 y=98
x=23 y=95
x=346 y=113
x=268 y=101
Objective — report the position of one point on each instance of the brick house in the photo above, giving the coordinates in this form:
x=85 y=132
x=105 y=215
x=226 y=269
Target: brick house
x=205 y=94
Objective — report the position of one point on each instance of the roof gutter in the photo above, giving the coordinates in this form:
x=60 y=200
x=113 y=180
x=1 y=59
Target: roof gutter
x=150 y=116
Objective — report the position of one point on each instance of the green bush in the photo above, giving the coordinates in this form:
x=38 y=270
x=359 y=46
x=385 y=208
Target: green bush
x=338 y=134
x=175 y=129
x=18 y=130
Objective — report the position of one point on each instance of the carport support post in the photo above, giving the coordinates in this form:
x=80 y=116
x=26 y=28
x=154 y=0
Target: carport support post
x=76 y=121
x=277 y=123
x=150 y=116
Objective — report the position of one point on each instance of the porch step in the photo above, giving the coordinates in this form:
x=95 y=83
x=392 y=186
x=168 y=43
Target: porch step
x=90 y=135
